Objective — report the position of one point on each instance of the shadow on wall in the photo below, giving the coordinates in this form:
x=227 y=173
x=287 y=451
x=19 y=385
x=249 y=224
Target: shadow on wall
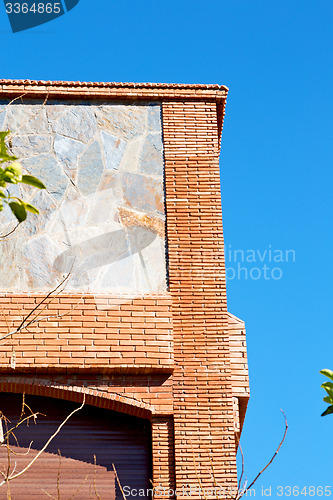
x=104 y=249
x=115 y=438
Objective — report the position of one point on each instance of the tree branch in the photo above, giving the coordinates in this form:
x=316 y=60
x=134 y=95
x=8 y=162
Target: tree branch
x=25 y=323
x=14 y=476
x=119 y=484
x=10 y=232
x=242 y=473
x=238 y=496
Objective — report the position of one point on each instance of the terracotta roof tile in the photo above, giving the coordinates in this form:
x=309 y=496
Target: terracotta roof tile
x=133 y=85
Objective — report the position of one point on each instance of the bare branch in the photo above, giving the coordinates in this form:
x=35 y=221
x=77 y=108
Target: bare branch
x=21 y=420
x=2 y=236
x=78 y=489
x=31 y=117
x=58 y=476
x=23 y=406
x=119 y=484
x=45 y=318
x=215 y=482
x=243 y=467
x=14 y=476
x=22 y=325
x=8 y=461
x=5 y=318
x=58 y=482
x=20 y=454
x=9 y=497
x=197 y=474
x=49 y=494
x=26 y=419
x=95 y=489
x=269 y=463
x=11 y=102
x=25 y=323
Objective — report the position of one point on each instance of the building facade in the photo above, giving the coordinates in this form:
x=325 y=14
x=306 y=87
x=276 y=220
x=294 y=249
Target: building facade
x=126 y=265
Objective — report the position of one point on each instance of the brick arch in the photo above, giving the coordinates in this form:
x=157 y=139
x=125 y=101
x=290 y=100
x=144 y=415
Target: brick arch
x=94 y=397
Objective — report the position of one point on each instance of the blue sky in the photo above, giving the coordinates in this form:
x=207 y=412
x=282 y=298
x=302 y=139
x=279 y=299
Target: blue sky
x=276 y=167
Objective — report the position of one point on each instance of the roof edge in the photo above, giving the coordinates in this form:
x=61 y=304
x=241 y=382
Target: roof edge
x=193 y=86
x=112 y=90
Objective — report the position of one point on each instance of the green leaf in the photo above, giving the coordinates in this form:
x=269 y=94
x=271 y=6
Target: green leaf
x=328 y=373
x=328 y=385
x=6 y=157
x=31 y=208
x=18 y=210
x=2 y=195
x=329 y=392
x=9 y=177
x=3 y=135
x=15 y=168
x=328 y=400
x=3 y=147
x=32 y=181
x=327 y=411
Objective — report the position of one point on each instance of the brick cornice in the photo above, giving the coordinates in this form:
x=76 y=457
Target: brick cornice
x=113 y=90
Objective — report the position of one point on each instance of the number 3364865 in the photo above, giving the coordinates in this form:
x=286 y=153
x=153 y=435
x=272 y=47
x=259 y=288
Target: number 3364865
x=35 y=8
x=310 y=491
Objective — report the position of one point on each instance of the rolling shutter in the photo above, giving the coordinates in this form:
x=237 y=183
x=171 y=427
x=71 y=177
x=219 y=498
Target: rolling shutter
x=114 y=438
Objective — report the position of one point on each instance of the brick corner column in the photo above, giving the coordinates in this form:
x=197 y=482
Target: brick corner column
x=203 y=403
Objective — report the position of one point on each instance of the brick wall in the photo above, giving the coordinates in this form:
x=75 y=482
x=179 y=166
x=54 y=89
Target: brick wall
x=78 y=332
x=203 y=405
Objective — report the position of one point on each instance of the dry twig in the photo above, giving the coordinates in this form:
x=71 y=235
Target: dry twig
x=25 y=323
x=95 y=489
x=10 y=475
x=197 y=474
x=11 y=102
x=118 y=481
x=2 y=236
x=243 y=492
x=30 y=117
